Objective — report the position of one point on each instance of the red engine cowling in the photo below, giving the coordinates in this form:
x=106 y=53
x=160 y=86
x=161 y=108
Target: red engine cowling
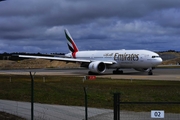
x=97 y=67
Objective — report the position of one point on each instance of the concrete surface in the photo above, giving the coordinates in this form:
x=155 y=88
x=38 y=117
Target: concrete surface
x=61 y=112
x=49 y=112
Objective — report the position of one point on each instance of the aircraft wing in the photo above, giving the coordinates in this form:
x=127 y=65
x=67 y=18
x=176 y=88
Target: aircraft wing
x=64 y=59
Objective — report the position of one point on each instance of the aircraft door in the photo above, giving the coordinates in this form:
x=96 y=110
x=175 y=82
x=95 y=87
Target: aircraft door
x=148 y=60
x=143 y=59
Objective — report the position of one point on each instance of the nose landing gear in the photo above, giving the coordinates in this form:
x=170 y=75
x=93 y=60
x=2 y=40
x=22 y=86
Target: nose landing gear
x=150 y=71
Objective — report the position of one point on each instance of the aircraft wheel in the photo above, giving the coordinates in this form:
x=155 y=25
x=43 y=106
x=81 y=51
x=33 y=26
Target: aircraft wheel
x=117 y=72
x=150 y=72
x=114 y=72
x=92 y=73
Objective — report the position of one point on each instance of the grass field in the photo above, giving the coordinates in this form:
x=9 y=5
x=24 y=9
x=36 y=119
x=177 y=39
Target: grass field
x=65 y=90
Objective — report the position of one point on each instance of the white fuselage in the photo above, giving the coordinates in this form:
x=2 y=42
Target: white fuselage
x=98 y=61
x=122 y=58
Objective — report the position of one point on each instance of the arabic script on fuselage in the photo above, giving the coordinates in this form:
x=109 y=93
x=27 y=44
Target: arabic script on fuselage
x=123 y=57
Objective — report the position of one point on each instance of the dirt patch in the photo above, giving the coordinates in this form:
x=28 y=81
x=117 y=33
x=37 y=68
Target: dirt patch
x=172 y=61
x=35 y=63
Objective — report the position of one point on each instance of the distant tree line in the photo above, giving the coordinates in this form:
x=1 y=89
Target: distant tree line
x=169 y=51
x=15 y=55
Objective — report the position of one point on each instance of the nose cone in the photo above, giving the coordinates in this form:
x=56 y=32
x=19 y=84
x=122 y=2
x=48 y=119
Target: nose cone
x=159 y=61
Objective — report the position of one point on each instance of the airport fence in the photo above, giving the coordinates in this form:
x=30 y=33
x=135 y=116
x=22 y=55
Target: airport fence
x=55 y=112
x=46 y=111
x=99 y=100
x=146 y=110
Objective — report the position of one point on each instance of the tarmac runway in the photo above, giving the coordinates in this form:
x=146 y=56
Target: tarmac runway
x=131 y=74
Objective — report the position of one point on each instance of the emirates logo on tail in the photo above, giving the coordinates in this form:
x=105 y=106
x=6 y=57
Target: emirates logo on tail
x=71 y=44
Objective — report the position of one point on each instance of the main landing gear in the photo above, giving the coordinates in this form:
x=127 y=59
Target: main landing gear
x=117 y=71
x=92 y=73
x=150 y=72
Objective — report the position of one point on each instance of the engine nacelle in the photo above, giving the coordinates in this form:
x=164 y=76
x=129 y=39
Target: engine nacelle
x=141 y=69
x=97 y=67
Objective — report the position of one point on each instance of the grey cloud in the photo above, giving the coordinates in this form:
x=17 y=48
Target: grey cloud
x=76 y=12
x=167 y=18
x=38 y=25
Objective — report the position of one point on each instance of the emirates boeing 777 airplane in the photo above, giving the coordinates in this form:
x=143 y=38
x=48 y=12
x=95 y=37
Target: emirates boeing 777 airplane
x=99 y=60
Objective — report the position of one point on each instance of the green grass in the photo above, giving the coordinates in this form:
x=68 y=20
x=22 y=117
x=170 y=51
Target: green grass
x=66 y=90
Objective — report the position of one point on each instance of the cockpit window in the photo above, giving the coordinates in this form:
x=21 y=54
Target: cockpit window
x=155 y=56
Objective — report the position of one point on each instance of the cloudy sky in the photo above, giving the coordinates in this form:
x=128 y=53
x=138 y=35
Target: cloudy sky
x=38 y=25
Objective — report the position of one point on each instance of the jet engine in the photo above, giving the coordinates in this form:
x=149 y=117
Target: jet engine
x=97 y=67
